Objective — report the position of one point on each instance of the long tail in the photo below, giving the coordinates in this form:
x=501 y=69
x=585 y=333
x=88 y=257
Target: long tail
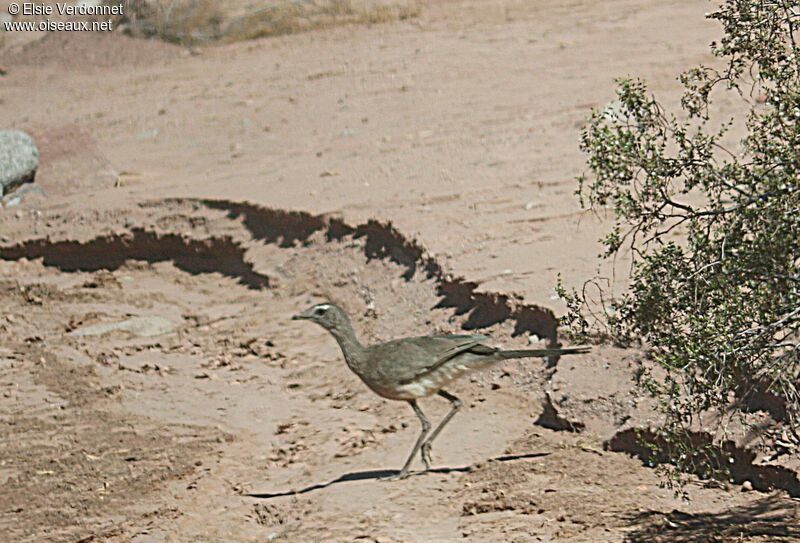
x=531 y=353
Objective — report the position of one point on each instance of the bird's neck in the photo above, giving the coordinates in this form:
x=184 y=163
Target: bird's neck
x=348 y=342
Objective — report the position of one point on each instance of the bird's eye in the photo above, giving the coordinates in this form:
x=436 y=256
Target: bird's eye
x=320 y=311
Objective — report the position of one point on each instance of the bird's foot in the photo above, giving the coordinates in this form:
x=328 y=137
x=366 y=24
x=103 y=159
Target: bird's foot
x=426 y=454
x=400 y=475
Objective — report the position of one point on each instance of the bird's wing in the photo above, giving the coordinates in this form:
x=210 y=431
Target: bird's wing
x=406 y=359
x=459 y=345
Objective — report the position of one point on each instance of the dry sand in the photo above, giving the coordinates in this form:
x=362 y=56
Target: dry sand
x=161 y=165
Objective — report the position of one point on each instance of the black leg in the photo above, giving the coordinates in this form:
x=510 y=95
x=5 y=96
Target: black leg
x=426 y=426
x=428 y=443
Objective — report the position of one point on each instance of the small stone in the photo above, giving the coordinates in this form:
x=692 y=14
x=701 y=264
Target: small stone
x=147 y=134
x=138 y=326
x=27 y=193
x=747 y=486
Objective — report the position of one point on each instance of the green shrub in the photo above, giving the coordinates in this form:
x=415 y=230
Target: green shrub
x=713 y=231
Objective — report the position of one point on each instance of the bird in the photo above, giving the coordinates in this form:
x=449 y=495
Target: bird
x=412 y=368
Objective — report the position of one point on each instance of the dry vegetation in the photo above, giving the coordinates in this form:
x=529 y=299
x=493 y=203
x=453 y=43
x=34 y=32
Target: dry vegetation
x=203 y=21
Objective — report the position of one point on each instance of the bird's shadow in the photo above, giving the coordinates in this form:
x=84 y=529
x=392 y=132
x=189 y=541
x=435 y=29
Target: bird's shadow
x=383 y=474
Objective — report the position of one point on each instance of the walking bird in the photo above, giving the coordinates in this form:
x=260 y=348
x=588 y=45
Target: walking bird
x=416 y=367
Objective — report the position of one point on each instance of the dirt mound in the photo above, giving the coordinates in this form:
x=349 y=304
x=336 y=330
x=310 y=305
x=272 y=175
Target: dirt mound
x=89 y=50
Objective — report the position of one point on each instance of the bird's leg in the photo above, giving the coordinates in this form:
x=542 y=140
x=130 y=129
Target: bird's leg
x=426 y=426
x=428 y=443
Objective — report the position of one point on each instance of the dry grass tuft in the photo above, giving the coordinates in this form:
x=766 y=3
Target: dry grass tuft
x=290 y=17
x=178 y=21
x=202 y=21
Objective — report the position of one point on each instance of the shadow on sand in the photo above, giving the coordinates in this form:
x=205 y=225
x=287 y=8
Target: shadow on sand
x=383 y=474
x=772 y=518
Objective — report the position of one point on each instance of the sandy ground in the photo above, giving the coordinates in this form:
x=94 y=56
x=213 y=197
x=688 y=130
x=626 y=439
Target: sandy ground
x=230 y=422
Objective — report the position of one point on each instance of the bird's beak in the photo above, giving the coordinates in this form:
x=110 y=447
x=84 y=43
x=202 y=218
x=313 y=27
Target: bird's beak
x=302 y=315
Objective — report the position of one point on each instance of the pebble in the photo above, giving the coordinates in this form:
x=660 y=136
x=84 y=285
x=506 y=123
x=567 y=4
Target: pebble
x=148 y=134
x=26 y=193
x=139 y=326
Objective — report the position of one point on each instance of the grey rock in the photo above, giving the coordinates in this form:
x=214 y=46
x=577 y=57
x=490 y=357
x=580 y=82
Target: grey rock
x=11 y=200
x=138 y=326
x=19 y=159
x=26 y=193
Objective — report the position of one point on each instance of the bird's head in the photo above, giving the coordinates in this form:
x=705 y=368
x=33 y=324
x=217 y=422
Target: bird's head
x=329 y=316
